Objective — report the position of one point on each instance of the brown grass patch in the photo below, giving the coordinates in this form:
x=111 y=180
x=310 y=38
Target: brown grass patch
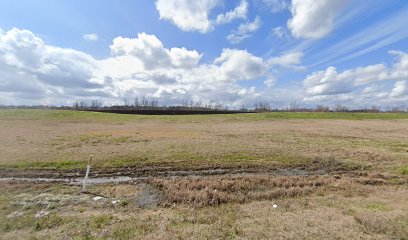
x=206 y=191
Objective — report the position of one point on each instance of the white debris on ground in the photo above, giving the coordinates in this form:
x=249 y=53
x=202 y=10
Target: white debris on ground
x=275 y=206
x=97 y=198
x=15 y=214
x=114 y=202
x=41 y=214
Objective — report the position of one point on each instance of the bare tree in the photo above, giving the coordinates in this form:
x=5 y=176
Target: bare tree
x=136 y=104
x=144 y=101
x=293 y=107
x=374 y=109
x=341 y=108
x=75 y=106
x=125 y=101
x=395 y=109
x=262 y=107
x=95 y=104
x=82 y=105
x=322 y=108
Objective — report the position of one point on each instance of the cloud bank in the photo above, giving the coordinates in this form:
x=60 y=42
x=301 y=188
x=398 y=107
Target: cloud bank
x=33 y=72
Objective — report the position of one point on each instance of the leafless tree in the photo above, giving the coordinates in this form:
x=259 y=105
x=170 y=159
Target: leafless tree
x=95 y=104
x=293 y=107
x=322 y=108
x=75 y=106
x=341 y=108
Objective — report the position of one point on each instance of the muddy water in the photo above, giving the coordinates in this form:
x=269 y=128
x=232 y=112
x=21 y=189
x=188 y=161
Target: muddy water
x=72 y=181
x=97 y=179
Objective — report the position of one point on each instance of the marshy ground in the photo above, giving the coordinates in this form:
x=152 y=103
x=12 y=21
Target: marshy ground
x=331 y=175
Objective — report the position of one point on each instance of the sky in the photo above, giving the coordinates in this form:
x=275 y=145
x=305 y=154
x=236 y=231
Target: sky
x=237 y=52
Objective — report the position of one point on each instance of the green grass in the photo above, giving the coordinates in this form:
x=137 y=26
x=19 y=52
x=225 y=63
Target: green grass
x=377 y=206
x=57 y=164
x=404 y=170
x=177 y=159
x=77 y=116
x=64 y=115
x=321 y=115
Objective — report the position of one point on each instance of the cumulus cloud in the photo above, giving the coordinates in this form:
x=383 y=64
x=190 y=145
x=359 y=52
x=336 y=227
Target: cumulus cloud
x=33 y=72
x=195 y=15
x=239 y=12
x=313 y=19
x=149 y=50
x=360 y=84
x=239 y=65
x=400 y=69
x=91 y=37
x=187 y=15
x=331 y=82
x=244 y=31
x=400 y=89
x=29 y=67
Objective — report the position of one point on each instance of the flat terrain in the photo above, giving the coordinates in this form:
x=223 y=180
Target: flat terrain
x=331 y=175
x=45 y=139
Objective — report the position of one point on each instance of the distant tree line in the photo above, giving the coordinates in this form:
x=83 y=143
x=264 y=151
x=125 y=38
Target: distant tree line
x=150 y=104
x=144 y=103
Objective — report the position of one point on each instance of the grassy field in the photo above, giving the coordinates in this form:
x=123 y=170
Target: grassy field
x=367 y=199
x=66 y=115
x=46 y=139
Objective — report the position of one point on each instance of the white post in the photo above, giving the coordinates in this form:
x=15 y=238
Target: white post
x=88 y=169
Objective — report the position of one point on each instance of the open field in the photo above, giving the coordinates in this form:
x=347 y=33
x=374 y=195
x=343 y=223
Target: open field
x=45 y=139
x=332 y=175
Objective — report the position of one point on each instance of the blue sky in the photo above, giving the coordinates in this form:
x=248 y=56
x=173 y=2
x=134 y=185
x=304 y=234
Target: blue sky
x=312 y=52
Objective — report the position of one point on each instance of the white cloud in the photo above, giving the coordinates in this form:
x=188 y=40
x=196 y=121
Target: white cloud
x=36 y=73
x=288 y=60
x=149 y=50
x=360 y=85
x=400 y=69
x=400 y=89
x=239 y=12
x=239 y=65
x=187 y=15
x=331 y=82
x=313 y=18
x=244 y=31
x=270 y=82
x=279 y=32
x=33 y=72
x=91 y=37
x=195 y=15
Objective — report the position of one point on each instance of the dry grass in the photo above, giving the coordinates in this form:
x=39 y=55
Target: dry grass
x=341 y=209
x=371 y=206
x=220 y=190
x=52 y=143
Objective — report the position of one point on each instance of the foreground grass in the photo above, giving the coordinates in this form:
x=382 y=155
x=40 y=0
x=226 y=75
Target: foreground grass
x=354 y=212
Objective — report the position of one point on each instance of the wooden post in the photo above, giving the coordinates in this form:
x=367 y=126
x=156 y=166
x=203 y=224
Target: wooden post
x=88 y=169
